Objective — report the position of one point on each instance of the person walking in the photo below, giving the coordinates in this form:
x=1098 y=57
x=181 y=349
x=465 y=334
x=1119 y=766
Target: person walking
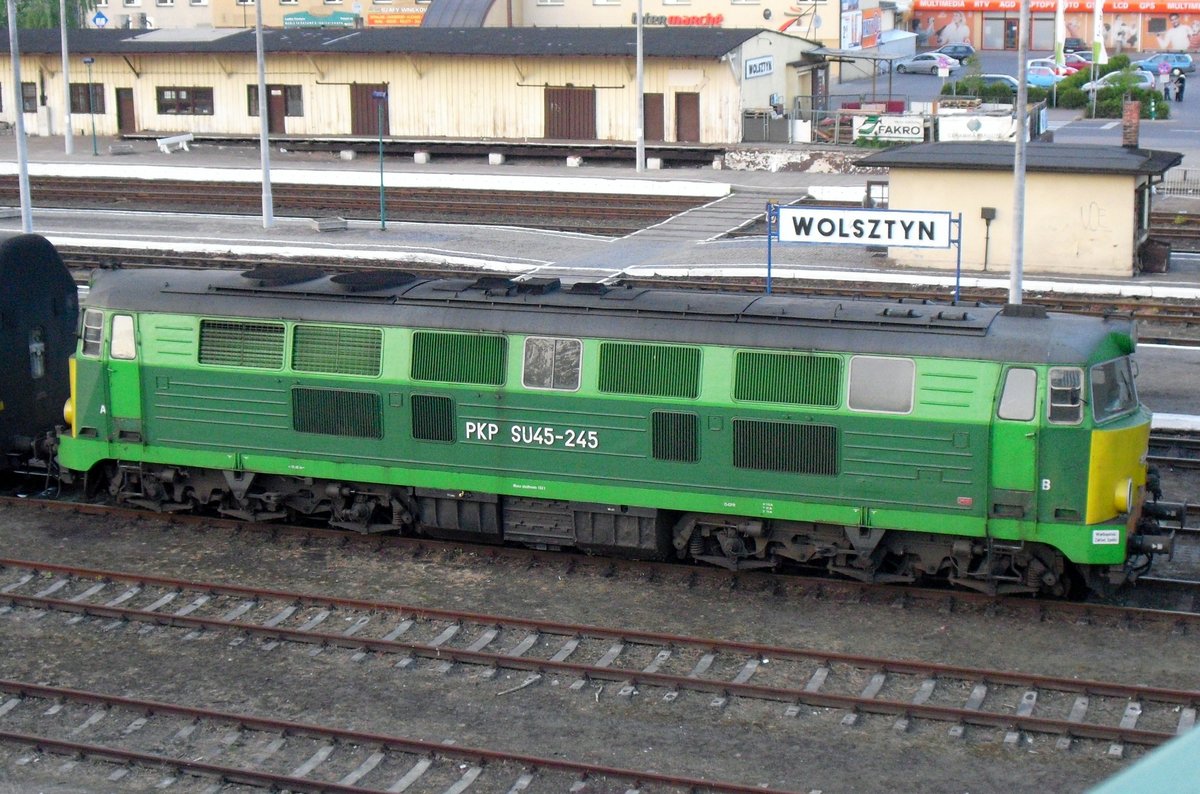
x=1180 y=84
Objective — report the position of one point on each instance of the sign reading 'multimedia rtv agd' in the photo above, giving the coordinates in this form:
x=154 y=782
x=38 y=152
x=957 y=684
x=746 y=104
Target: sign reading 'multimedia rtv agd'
x=830 y=226
x=889 y=128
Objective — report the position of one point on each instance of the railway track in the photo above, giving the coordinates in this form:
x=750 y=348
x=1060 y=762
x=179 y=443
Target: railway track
x=641 y=664
x=1164 y=321
x=1180 y=229
x=1179 y=450
x=615 y=215
x=182 y=742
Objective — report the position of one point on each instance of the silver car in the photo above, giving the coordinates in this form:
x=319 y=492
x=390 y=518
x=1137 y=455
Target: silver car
x=1140 y=79
x=927 y=63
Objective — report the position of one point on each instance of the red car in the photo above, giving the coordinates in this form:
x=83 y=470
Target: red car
x=1048 y=63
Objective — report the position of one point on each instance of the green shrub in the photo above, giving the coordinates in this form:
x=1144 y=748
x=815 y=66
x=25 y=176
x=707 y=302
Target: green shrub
x=1072 y=97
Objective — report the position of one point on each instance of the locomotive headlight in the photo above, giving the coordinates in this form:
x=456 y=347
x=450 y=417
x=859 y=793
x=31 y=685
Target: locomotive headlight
x=69 y=412
x=1123 y=495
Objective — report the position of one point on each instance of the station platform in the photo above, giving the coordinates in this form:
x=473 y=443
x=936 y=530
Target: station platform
x=692 y=243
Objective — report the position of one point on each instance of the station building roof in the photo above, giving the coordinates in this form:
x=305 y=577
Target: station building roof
x=507 y=42
x=1039 y=156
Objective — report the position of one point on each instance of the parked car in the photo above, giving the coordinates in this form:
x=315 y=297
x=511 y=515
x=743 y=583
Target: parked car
x=1042 y=77
x=959 y=52
x=1174 y=60
x=1078 y=61
x=1138 y=78
x=927 y=63
x=1048 y=63
x=1000 y=79
x=1074 y=44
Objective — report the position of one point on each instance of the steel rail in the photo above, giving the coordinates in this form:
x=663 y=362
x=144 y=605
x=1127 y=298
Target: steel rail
x=408 y=745
x=631 y=677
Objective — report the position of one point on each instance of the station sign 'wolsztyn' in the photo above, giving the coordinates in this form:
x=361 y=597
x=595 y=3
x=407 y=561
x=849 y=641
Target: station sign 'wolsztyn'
x=841 y=226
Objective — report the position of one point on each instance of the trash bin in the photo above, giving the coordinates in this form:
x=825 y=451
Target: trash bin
x=1154 y=256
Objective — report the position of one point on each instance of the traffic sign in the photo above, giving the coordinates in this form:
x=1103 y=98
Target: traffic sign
x=99 y=20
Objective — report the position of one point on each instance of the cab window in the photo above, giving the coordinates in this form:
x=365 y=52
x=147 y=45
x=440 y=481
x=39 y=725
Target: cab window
x=1066 y=395
x=1113 y=392
x=1019 y=398
x=122 y=343
x=93 y=332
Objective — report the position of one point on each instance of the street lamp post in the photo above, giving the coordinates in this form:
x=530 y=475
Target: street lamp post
x=380 y=99
x=91 y=108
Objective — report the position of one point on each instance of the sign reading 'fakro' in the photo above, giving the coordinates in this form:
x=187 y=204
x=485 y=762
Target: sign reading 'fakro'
x=901 y=228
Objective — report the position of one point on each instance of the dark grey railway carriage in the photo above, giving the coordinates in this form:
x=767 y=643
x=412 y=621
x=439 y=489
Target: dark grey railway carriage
x=39 y=309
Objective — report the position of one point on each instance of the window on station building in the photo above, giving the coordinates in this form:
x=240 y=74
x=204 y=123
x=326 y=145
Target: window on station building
x=87 y=97
x=185 y=101
x=293 y=99
x=29 y=97
x=167 y=3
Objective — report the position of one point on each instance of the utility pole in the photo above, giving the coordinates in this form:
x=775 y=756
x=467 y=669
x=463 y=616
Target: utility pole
x=1021 y=110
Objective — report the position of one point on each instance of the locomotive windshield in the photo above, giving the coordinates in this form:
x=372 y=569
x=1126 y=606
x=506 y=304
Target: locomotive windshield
x=1113 y=392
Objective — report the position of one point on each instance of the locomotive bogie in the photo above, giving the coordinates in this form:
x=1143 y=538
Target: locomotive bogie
x=741 y=431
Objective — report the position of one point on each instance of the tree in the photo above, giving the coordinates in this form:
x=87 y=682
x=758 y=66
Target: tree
x=44 y=13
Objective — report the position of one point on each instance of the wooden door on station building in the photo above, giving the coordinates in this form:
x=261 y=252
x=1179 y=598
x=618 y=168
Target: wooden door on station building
x=571 y=113
x=687 y=117
x=366 y=116
x=654 y=114
x=276 y=108
x=126 y=117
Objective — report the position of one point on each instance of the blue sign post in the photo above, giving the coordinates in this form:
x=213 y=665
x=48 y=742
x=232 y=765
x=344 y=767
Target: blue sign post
x=380 y=104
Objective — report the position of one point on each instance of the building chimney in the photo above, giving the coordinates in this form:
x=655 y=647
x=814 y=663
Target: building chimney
x=1131 y=116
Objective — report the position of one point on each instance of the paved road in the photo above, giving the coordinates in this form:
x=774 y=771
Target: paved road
x=1181 y=133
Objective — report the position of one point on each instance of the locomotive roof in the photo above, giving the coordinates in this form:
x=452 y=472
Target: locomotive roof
x=544 y=306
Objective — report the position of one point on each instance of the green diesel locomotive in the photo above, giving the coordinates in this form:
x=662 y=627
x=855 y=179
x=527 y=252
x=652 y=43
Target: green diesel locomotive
x=1002 y=449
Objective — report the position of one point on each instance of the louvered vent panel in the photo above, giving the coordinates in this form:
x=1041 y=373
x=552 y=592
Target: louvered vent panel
x=344 y=351
x=432 y=418
x=239 y=344
x=336 y=412
x=783 y=378
x=676 y=436
x=785 y=446
x=459 y=358
x=650 y=370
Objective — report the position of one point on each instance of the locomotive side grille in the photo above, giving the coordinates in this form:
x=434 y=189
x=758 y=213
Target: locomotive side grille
x=650 y=370
x=432 y=418
x=785 y=446
x=343 y=351
x=241 y=344
x=785 y=378
x=335 y=412
x=675 y=436
x=459 y=358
